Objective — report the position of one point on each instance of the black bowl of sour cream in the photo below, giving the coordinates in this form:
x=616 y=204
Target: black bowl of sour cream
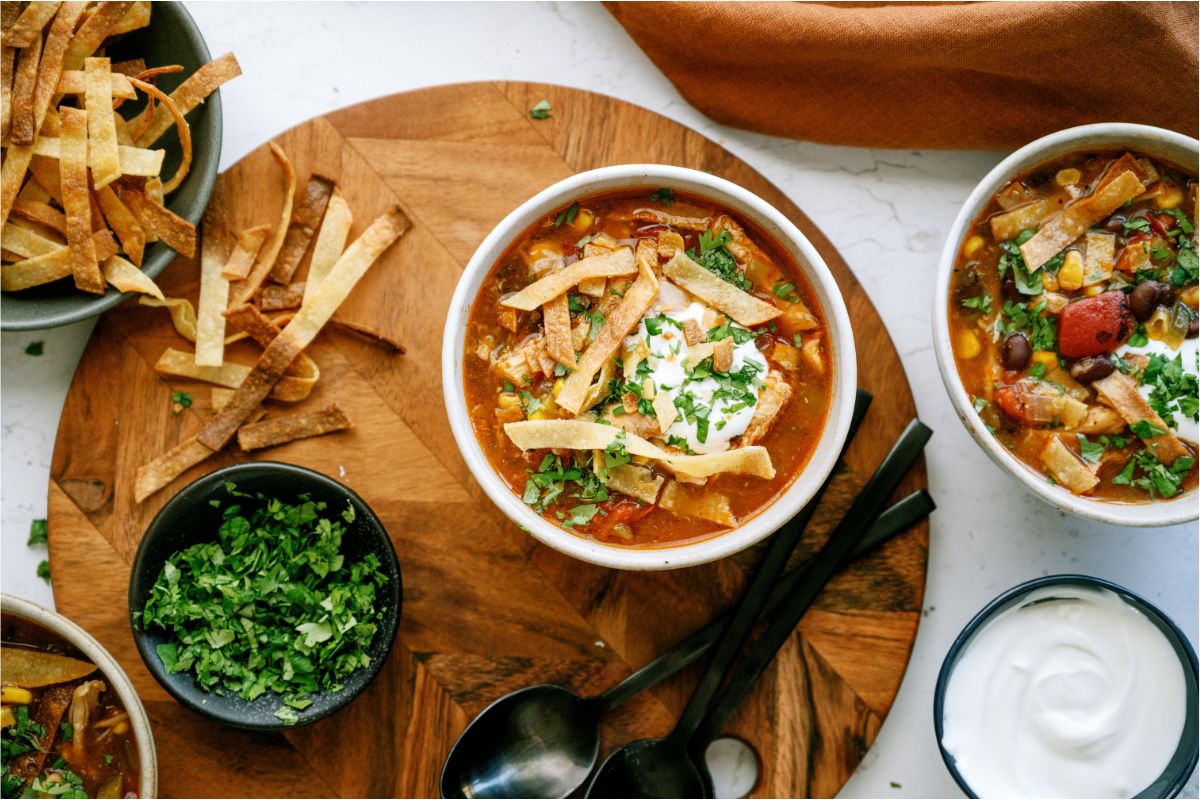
x=1069 y=686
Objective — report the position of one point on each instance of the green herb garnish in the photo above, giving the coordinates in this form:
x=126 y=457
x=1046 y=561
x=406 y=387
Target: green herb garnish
x=981 y=302
x=37 y=532
x=664 y=196
x=541 y=110
x=716 y=259
x=35 y=348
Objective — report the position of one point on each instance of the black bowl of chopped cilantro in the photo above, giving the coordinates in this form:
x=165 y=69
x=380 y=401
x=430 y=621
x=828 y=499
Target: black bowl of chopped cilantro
x=265 y=596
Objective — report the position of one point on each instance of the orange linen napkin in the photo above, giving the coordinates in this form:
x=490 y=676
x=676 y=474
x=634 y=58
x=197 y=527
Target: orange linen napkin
x=961 y=76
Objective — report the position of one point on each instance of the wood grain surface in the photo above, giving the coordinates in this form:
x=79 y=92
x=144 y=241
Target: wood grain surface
x=487 y=609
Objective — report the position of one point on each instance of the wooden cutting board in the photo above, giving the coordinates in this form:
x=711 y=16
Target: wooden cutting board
x=487 y=609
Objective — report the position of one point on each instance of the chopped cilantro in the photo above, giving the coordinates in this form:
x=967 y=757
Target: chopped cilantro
x=35 y=348
x=1187 y=265
x=716 y=259
x=729 y=329
x=1139 y=338
x=1090 y=451
x=568 y=216
x=981 y=302
x=664 y=196
x=1145 y=430
x=1042 y=330
x=508 y=387
x=43 y=570
x=271 y=604
x=596 y=322
x=181 y=400
x=797 y=340
x=1037 y=370
x=1136 y=225
x=1173 y=390
x=785 y=291
x=1155 y=477
x=541 y=110
x=979 y=404
x=37 y=532
x=583 y=240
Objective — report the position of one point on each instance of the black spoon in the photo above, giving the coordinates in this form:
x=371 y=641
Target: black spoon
x=504 y=753
x=674 y=765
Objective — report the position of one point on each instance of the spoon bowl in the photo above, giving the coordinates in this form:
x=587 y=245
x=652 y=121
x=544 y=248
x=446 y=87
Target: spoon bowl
x=537 y=742
x=650 y=768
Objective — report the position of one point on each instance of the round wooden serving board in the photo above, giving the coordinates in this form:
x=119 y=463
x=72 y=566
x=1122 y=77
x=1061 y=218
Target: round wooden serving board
x=486 y=609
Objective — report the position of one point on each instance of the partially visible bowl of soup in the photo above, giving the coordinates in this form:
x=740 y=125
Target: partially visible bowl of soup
x=648 y=367
x=1065 y=321
x=73 y=725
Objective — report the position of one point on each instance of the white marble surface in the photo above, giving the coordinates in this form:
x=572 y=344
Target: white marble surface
x=886 y=210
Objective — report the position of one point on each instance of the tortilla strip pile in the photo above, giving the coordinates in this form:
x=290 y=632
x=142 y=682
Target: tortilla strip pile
x=64 y=144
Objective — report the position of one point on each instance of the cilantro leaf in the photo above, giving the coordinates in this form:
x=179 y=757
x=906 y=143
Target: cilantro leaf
x=541 y=110
x=35 y=348
x=38 y=529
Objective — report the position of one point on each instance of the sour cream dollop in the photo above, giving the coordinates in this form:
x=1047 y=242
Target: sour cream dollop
x=1072 y=693
x=1185 y=427
x=728 y=417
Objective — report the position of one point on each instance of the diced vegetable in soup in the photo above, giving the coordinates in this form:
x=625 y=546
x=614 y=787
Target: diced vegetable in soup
x=645 y=368
x=1073 y=317
x=65 y=732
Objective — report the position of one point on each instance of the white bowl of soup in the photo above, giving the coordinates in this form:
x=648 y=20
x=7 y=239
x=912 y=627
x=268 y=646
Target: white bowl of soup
x=648 y=367
x=1065 y=321
x=65 y=692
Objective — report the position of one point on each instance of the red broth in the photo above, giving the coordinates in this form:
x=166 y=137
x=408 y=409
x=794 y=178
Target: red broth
x=564 y=485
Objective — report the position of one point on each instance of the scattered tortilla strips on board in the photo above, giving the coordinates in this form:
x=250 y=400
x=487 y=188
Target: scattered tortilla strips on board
x=249 y=242
x=183 y=314
x=242 y=291
x=154 y=475
x=305 y=219
x=331 y=241
x=280 y=430
x=214 y=286
x=371 y=335
x=307 y=323
x=282 y=298
x=252 y=322
x=540 y=292
x=125 y=277
x=743 y=307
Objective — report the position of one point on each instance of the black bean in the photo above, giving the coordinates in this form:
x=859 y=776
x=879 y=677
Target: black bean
x=1147 y=296
x=1193 y=327
x=1093 y=368
x=1017 y=351
x=1115 y=223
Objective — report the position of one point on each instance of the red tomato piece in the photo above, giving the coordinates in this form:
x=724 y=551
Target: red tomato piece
x=1095 y=326
x=617 y=509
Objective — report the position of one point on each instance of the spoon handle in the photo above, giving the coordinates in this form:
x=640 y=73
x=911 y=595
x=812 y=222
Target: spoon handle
x=899 y=517
x=816 y=574
x=737 y=629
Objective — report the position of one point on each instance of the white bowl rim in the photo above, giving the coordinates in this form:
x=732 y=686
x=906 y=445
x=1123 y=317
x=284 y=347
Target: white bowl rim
x=87 y=644
x=786 y=234
x=1104 y=134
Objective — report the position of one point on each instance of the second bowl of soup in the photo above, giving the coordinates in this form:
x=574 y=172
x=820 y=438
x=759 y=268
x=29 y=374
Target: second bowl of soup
x=1066 y=320
x=648 y=367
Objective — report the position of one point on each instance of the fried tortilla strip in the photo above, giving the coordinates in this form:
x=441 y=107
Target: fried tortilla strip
x=774 y=395
x=300 y=332
x=1066 y=467
x=125 y=277
x=710 y=505
x=191 y=93
x=24 y=84
x=74 y=81
x=623 y=319
x=556 y=319
x=156 y=474
x=243 y=291
x=26 y=242
x=1009 y=224
x=50 y=69
x=220 y=397
x=45 y=171
x=183 y=314
x=185 y=133
x=92 y=33
x=130 y=160
x=8 y=59
x=1122 y=394
x=664 y=411
x=291 y=389
x=137 y=17
x=134 y=67
x=282 y=298
x=1099 y=257
x=214 y=287
x=540 y=292
x=41 y=213
x=12 y=174
x=635 y=481
x=282 y=430
x=178 y=233
x=33 y=19
x=1073 y=221
x=331 y=241
x=249 y=321
x=123 y=223
x=574 y=434
x=371 y=335
x=50 y=266
x=744 y=308
x=678 y=221
x=303 y=226
x=103 y=156
x=77 y=202
x=249 y=242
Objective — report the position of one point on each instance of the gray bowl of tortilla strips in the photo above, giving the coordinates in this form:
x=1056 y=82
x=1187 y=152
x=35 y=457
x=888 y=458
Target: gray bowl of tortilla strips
x=171 y=37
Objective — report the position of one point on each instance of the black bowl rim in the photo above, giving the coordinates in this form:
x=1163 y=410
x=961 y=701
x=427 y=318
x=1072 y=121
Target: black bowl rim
x=158 y=262
x=1005 y=599
x=186 y=497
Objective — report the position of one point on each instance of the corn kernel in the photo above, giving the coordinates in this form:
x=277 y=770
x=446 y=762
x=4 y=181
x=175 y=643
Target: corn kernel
x=1095 y=289
x=1046 y=358
x=540 y=250
x=1067 y=177
x=7 y=717
x=539 y=414
x=17 y=695
x=121 y=728
x=1070 y=274
x=1049 y=281
x=972 y=246
x=558 y=387
x=1189 y=296
x=1169 y=198
x=583 y=220
x=508 y=400
x=968 y=344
